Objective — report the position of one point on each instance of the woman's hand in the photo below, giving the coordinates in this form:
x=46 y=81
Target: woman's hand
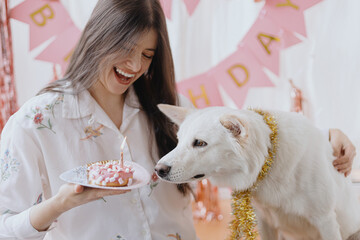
x=68 y=197
x=344 y=151
x=71 y=195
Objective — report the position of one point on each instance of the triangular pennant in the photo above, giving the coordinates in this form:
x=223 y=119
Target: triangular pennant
x=191 y=5
x=264 y=39
x=61 y=49
x=202 y=91
x=238 y=73
x=290 y=17
x=46 y=19
x=167 y=6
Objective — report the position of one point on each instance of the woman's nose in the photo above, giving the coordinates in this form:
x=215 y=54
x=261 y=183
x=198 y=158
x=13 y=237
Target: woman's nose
x=134 y=62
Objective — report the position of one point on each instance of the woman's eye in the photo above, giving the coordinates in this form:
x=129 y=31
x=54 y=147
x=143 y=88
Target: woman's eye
x=148 y=56
x=199 y=143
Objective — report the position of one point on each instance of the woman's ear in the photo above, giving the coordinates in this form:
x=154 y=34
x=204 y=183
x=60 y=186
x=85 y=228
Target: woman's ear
x=175 y=113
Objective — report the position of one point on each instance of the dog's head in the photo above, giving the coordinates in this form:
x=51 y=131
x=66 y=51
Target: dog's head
x=226 y=145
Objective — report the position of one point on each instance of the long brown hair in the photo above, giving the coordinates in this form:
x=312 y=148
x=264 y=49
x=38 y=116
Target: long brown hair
x=113 y=28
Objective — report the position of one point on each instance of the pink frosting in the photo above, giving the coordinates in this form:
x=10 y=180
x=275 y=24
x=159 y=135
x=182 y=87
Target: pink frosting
x=109 y=172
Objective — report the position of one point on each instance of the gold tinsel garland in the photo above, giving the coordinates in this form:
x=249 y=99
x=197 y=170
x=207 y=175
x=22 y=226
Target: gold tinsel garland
x=244 y=222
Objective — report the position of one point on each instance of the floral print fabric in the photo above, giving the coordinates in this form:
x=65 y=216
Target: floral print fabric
x=8 y=166
x=53 y=133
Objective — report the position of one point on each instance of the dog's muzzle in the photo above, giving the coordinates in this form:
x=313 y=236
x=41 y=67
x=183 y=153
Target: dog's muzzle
x=162 y=170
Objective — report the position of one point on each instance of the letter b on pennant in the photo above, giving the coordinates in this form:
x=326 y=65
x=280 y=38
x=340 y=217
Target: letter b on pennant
x=45 y=12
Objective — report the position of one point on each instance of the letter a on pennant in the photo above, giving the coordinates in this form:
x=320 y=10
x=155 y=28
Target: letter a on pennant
x=264 y=40
x=269 y=38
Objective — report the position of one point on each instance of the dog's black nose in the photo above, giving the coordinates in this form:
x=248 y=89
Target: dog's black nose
x=162 y=170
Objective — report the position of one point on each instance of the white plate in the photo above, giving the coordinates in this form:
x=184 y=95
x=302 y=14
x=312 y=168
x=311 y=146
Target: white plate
x=78 y=175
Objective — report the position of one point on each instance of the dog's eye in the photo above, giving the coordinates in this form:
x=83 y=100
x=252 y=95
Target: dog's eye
x=199 y=143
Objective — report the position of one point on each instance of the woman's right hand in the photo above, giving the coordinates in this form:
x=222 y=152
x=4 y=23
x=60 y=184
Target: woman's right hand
x=69 y=196
x=72 y=195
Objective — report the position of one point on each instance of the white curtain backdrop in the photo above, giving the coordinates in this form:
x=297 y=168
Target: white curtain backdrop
x=325 y=66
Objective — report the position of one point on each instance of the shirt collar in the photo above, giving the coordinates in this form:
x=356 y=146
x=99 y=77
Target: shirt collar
x=83 y=104
x=78 y=105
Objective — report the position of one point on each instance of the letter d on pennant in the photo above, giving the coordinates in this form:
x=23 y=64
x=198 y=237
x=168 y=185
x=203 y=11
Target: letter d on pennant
x=239 y=84
x=41 y=12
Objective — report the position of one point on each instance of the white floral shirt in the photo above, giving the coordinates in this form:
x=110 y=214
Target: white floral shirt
x=53 y=133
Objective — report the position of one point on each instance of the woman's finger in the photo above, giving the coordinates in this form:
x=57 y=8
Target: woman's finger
x=342 y=160
x=78 y=188
x=342 y=168
x=347 y=172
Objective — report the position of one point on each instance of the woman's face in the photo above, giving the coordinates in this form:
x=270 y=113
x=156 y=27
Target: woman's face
x=125 y=70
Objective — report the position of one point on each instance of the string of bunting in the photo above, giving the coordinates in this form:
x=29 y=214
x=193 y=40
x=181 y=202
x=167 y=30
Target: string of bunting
x=277 y=27
x=48 y=19
x=189 y=4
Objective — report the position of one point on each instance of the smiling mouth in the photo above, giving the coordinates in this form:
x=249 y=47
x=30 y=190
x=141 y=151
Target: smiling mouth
x=122 y=77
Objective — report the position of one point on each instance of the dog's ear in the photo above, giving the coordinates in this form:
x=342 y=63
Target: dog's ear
x=234 y=125
x=175 y=113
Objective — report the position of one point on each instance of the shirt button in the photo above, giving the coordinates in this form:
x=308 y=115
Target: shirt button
x=133 y=201
x=143 y=233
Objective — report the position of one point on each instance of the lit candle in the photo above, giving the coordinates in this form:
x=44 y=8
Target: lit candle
x=122 y=153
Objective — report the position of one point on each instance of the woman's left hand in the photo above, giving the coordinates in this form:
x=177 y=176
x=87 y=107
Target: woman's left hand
x=344 y=151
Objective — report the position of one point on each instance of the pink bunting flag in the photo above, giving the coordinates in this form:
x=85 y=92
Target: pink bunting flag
x=61 y=49
x=167 y=6
x=289 y=13
x=202 y=90
x=191 y=5
x=46 y=19
x=289 y=16
x=238 y=73
x=302 y=4
x=264 y=39
x=289 y=39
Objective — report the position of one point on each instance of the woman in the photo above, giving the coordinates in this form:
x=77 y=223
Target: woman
x=120 y=70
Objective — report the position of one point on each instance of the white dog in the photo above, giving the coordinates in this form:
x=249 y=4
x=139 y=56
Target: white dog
x=302 y=196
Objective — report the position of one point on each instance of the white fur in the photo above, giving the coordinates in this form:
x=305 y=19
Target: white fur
x=302 y=197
